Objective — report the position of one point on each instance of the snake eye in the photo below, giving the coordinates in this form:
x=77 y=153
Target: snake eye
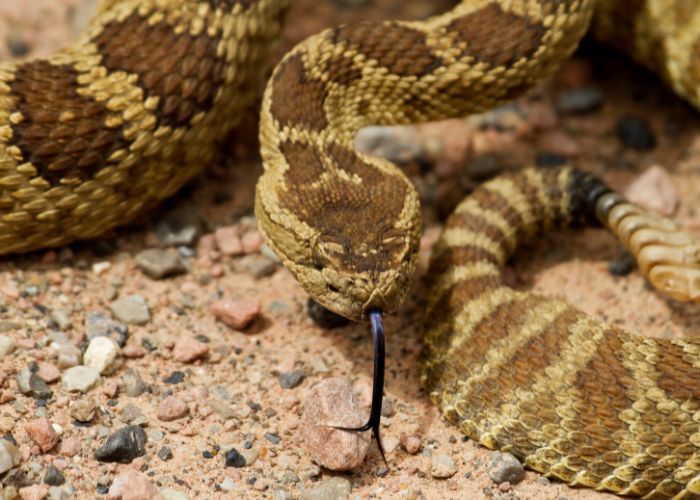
x=328 y=248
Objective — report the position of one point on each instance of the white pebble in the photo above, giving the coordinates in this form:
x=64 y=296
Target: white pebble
x=101 y=354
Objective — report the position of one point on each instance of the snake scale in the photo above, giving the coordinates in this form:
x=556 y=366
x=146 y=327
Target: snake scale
x=96 y=134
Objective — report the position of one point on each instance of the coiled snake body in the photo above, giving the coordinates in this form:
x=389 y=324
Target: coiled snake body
x=98 y=133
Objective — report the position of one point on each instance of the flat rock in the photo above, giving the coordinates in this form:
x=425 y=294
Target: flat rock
x=333 y=402
x=42 y=433
x=171 y=408
x=237 y=314
x=442 y=466
x=505 y=467
x=188 y=349
x=132 y=310
x=9 y=456
x=158 y=264
x=335 y=488
x=80 y=379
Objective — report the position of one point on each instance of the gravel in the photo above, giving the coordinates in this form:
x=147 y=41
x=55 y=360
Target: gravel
x=234 y=459
x=290 y=380
x=98 y=324
x=442 y=466
x=159 y=264
x=580 y=100
x=133 y=383
x=101 y=355
x=80 y=379
x=635 y=133
x=9 y=456
x=505 y=467
x=53 y=476
x=7 y=346
x=336 y=488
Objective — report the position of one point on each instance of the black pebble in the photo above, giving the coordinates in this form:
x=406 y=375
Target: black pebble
x=325 y=318
x=174 y=378
x=207 y=454
x=38 y=388
x=547 y=159
x=123 y=445
x=635 y=133
x=165 y=453
x=53 y=476
x=18 y=47
x=102 y=489
x=382 y=471
x=622 y=266
x=290 y=380
x=234 y=459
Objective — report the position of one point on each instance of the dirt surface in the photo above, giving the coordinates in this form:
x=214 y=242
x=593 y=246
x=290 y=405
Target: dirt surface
x=209 y=388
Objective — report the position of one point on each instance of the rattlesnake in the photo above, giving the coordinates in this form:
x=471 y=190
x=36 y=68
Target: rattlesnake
x=95 y=135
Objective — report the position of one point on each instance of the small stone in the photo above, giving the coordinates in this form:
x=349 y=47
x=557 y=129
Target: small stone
x=171 y=408
x=42 y=433
x=220 y=408
x=62 y=319
x=257 y=266
x=53 y=476
x=99 y=324
x=165 y=453
x=123 y=446
x=580 y=100
x=83 y=410
x=289 y=380
x=170 y=494
x=635 y=133
x=133 y=383
x=56 y=493
x=132 y=485
x=132 y=310
x=505 y=467
x=132 y=415
x=332 y=402
x=9 y=456
x=48 y=372
x=188 y=349
x=622 y=266
x=18 y=45
x=237 y=314
x=442 y=467
x=234 y=459
x=273 y=438
x=101 y=355
x=387 y=408
x=38 y=388
x=228 y=239
x=7 y=346
x=69 y=447
x=336 y=488
x=655 y=191
x=281 y=494
x=34 y=492
x=68 y=356
x=412 y=444
x=180 y=227
x=310 y=471
x=324 y=317
x=175 y=377
x=159 y=264
x=80 y=379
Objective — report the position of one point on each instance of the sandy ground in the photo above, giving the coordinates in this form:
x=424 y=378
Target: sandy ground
x=48 y=295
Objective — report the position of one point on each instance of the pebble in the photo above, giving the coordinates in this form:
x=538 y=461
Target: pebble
x=170 y=494
x=257 y=266
x=124 y=445
x=281 y=494
x=68 y=356
x=180 y=227
x=132 y=485
x=158 y=264
x=48 y=372
x=654 y=190
x=324 y=317
x=580 y=100
x=289 y=380
x=62 y=319
x=98 y=324
x=83 y=410
x=34 y=492
x=228 y=239
x=42 y=433
x=505 y=467
x=132 y=310
x=172 y=408
x=234 y=459
x=237 y=314
x=133 y=383
x=102 y=355
x=38 y=388
x=53 y=476
x=622 y=266
x=442 y=467
x=165 y=453
x=335 y=488
x=188 y=349
x=273 y=438
x=412 y=444
x=80 y=379
x=175 y=377
x=56 y=493
x=9 y=455
x=132 y=415
x=7 y=346
x=635 y=133
x=333 y=402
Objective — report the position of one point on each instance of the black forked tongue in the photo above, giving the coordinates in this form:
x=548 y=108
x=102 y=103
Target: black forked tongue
x=375 y=412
